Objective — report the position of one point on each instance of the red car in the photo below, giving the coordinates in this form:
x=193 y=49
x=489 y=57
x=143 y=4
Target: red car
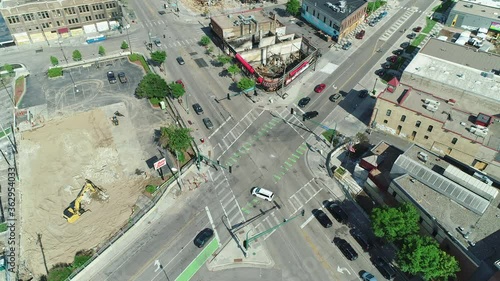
x=417 y=29
x=360 y=34
x=393 y=58
x=319 y=88
x=180 y=82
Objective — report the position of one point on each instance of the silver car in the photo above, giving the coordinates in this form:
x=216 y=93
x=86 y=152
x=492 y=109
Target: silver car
x=208 y=123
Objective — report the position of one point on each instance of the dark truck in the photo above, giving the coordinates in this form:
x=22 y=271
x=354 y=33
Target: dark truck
x=122 y=77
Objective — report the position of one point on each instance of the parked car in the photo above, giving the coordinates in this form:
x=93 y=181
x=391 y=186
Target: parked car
x=380 y=72
x=334 y=97
x=393 y=59
x=417 y=29
x=365 y=244
x=208 y=123
x=372 y=23
x=386 y=65
x=411 y=35
x=347 y=46
x=382 y=15
x=360 y=34
x=122 y=77
x=301 y=24
x=197 y=108
x=398 y=52
x=337 y=212
x=263 y=193
x=304 y=101
x=157 y=42
x=203 y=237
x=309 y=115
x=180 y=60
x=345 y=248
x=111 y=77
x=367 y=276
x=323 y=219
x=405 y=45
x=161 y=12
x=319 y=88
x=385 y=268
x=363 y=93
x=180 y=82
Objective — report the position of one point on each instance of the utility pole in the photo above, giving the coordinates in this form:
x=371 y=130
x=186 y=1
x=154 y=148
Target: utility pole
x=8 y=93
x=283 y=81
x=247 y=241
x=376 y=80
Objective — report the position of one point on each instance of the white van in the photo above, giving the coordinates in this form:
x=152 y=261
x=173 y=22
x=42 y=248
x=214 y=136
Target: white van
x=262 y=193
x=423 y=156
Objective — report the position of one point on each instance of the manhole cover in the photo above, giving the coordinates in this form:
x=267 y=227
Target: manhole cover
x=193 y=54
x=201 y=63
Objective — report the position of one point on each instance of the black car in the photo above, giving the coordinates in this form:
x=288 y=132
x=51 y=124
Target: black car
x=301 y=24
x=197 y=108
x=322 y=218
x=304 y=101
x=335 y=97
x=180 y=60
x=380 y=72
x=363 y=93
x=411 y=35
x=362 y=241
x=202 y=238
x=398 y=52
x=337 y=212
x=309 y=115
x=111 y=77
x=385 y=268
x=345 y=248
x=208 y=123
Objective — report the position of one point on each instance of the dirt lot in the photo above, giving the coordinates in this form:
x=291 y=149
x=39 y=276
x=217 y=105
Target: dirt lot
x=54 y=162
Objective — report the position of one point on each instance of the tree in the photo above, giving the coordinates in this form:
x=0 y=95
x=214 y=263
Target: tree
x=205 y=40
x=362 y=138
x=233 y=69
x=175 y=139
x=54 y=60
x=210 y=50
x=223 y=59
x=420 y=255
x=77 y=56
x=124 y=45
x=176 y=89
x=395 y=223
x=159 y=57
x=151 y=86
x=245 y=83
x=102 y=51
x=293 y=7
x=7 y=67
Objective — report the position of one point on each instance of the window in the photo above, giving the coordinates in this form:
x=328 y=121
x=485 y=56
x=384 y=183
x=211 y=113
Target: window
x=28 y=17
x=426 y=137
x=454 y=140
x=88 y=18
x=13 y=19
x=418 y=124
x=385 y=121
x=70 y=11
x=388 y=113
x=43 y=15
x=97 y=7
x=73 y=21
x=56 y=13
x=58 y=23
x=83 y=9
x=331 y=23
x=429 y=129
x=99 y=16
x=314 y=13
x=403 y=118
x=45 y=25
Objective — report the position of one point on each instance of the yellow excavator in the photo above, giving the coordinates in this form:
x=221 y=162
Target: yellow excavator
x=75 y=209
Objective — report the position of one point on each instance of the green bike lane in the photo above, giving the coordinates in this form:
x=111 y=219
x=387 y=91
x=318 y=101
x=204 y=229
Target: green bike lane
x=199 y=261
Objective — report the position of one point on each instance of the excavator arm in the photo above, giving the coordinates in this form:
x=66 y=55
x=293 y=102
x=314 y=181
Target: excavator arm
x=75 y=209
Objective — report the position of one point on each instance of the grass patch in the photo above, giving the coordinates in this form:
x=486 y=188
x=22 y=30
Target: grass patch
x=63 y=270
x=418 y=40
x=429 y=25
x=341 y=171
x=19 y=89
x=151 y=189
x=2 y=134
x=410 y=49
x=154 y=101
x=55 y=72
x=140 y=58
x=3 y=227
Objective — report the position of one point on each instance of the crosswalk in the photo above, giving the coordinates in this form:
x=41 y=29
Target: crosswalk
x=395 y=27
x=238 y=129
x=267 y=223
x=230 y=205
x=295 y=122
x=305 y=194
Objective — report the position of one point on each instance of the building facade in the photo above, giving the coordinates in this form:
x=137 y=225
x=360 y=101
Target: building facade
x=37 y=21
x=334 y=19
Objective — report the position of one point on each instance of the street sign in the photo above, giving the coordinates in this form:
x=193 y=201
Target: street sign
x=160 y=163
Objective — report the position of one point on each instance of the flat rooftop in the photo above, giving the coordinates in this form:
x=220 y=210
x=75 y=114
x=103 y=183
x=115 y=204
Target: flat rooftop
x=229 y=20
x=351 y=6
x=484 y=229
x=487 y=3
x=456 y=118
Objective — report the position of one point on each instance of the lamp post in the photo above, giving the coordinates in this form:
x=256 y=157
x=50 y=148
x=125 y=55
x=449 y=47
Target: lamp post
x=8 y=93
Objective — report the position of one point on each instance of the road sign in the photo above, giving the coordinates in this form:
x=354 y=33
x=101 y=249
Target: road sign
x=160 y=163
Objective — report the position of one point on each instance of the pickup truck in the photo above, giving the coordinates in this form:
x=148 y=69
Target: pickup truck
x=122 y=77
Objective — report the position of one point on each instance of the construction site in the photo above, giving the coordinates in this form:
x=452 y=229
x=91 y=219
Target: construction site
x=80 y=179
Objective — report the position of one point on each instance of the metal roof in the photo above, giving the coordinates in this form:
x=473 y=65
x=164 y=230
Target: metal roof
x=471 y=183
x=452 y=190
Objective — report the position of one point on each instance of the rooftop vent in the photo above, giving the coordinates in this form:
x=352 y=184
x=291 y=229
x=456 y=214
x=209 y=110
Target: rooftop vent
x=432 y=102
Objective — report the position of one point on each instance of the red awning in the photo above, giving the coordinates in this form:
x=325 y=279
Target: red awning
x=63 y=30
x=393 y=82
x=245 y=63
x=293 y=72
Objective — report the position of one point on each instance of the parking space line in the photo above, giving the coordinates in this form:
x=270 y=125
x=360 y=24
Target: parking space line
x=307 y=221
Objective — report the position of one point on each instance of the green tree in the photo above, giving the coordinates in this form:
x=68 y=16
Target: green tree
x=233 y=69
x=362 y=138
x=420 y=255
x=395 y=223
x=54 y=60
x=175 y=139
x=151 y=86
x=159 y=57
x=7 y=67
x=176 y=89
x=102 y=51
x=245 y=83
x=77 y=56
x=205 y=40
x=293 y=7
x=223 y=59
x=210 y=50
x=124 y=45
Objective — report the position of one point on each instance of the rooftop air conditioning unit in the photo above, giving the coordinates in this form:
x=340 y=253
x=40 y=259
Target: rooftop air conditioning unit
x=433 y=102
x=431 y=107
x=478 y=132
x=479 y=127
x=330 y=5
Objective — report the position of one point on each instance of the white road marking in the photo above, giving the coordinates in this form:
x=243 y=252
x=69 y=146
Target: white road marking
x=213 y=225
x=307 y=221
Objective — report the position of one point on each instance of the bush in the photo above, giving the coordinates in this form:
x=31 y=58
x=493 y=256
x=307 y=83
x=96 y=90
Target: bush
x=102 y=51
x=77 y=56
x=55 y=72
x=205 y=40
x=124 y=45
x=137 y=57
x=154 y=101
x=3 y=227
x=54 y=61
x=151 y=189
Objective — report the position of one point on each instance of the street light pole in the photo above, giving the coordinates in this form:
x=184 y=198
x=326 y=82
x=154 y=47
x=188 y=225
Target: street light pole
x=8 y=93
x=247 y=241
